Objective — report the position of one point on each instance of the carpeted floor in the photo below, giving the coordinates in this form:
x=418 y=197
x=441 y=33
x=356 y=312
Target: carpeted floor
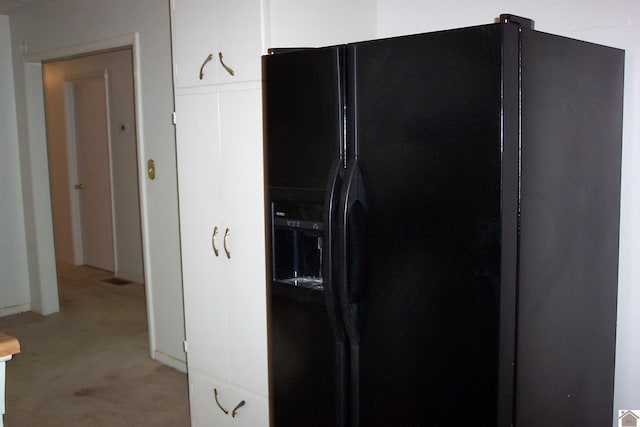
x=89 y=365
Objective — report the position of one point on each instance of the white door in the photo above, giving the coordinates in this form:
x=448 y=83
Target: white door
x=93 y=184
x=243 y=201
x=202 y=232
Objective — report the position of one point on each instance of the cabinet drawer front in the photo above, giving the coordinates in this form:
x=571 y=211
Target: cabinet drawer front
x=217 y=403
x=204 y=410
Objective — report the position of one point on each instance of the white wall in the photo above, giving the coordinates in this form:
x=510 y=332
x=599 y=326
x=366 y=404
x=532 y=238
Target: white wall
x=295 y=23
x=614 y=23
x=128 y=243
x=69 y=26
x=14 y=280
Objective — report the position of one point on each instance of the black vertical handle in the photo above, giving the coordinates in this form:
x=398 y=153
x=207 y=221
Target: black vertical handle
x=352 y=244
x=332 y=297
x=352 y=225
x=329 y=243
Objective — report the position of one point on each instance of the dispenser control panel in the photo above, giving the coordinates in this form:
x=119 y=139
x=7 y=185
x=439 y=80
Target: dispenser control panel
x=297 y=243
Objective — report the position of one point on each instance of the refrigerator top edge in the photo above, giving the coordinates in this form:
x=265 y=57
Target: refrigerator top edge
x=289 y=49
x=504 y=19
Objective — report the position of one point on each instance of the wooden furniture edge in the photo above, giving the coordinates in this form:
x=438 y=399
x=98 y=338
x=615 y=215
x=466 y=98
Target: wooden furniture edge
x=8 y=345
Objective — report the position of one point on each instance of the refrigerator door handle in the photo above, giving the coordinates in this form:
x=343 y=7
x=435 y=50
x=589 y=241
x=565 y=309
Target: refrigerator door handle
x=331 y=280
x=352 y=225
x=352 y=235
x=330 y=250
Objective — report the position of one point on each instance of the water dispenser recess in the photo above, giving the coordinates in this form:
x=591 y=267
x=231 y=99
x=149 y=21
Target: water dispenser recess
x=297 y=243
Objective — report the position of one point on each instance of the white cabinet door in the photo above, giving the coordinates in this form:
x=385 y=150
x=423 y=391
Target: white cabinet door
x=239 y=36
x=193 y=40
x=241 y=135
x=205 y=412
x=254 y=413
x=204 y=273
x=215 y=403
x=216 y=41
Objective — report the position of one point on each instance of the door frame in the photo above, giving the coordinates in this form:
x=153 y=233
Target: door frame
x=70 y=119
x=42 y=263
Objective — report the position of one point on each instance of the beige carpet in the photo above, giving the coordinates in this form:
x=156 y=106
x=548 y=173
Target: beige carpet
x=89 y=365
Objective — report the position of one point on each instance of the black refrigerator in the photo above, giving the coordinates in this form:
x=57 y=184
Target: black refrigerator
x=443 y=220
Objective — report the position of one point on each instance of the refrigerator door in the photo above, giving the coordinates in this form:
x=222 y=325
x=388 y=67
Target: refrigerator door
x=304 y=145
x=425 y=126
x=303 y=98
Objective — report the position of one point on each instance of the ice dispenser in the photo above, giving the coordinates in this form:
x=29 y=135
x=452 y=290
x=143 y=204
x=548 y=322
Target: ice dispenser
x=297 y=243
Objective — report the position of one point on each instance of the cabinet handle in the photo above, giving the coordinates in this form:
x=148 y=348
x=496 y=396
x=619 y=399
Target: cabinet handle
x=213 y=241
x=206 y=61
x=215 y=394
x=238 y=406
x=225 y=66
x=227 y=233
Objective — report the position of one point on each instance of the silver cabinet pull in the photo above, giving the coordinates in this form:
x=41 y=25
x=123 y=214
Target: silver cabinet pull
x=215 y=395
x=206 y=61
x=238 y=406
x=213 y=241
x=227 y=233
x=225 y=66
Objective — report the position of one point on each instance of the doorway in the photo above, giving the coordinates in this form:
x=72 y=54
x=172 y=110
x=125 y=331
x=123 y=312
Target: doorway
x=91 y=140
x=88 y=122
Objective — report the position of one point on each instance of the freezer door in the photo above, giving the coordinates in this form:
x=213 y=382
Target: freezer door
x=304 y=145
x=303 y=116
x=302 y=358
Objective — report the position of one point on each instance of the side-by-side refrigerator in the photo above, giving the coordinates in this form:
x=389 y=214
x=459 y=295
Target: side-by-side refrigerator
x=443 y=215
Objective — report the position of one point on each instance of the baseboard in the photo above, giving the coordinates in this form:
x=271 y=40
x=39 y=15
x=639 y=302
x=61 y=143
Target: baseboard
x=177 y=364
x=15 y=309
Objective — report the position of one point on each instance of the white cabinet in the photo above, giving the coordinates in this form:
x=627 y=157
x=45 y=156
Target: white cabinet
x=219 y=152
x=216 y=41
x=220 y=183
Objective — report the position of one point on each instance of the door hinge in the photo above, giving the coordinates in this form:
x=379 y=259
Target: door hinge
x=518 y=20
x=185 y=346
x=173 y=118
